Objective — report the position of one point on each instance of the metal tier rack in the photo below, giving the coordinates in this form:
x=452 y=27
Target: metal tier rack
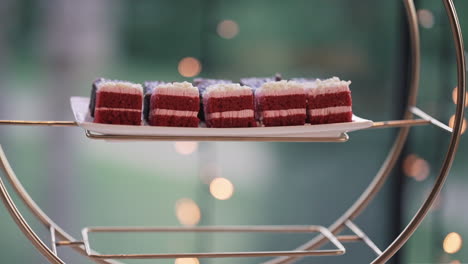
x=314 y=247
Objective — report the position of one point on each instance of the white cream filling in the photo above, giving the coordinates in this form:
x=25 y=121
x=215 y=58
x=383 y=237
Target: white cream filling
x=283 y=113
x=177 y=89
x=330 y=110
x=231 y=114
x=117 y=109
x=170 y=112
x=119 y=87
x=280 y=88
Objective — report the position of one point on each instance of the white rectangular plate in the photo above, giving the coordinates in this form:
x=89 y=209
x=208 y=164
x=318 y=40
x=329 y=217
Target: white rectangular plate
x=79 y=106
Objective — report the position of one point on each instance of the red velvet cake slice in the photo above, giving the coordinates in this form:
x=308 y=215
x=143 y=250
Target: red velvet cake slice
x=229 y=105
x=148 y=88
x=328 y=101
x=281 y=103
x=175 y=105
x=202 y=84
x=116 y=102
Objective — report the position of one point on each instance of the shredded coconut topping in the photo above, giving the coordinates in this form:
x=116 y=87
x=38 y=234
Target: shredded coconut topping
x=227 y=89
x=119 y=85
x=331 y=82
x=178 y=85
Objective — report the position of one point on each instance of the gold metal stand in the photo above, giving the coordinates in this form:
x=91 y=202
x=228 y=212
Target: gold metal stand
x=60 y=238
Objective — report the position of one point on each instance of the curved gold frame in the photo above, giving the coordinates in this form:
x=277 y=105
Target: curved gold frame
x=345 y=221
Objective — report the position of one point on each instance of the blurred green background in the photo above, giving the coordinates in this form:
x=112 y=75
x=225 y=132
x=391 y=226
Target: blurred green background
x=52 y=50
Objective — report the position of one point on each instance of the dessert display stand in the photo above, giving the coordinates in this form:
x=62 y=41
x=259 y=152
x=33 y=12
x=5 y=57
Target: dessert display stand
x=332 y=234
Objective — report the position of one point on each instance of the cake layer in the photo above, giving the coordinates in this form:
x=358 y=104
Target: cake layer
x=112 y=86
x=174 y=104
x=118 y=100
x=148 y=90
x=185 y=103
x=265 y=103
x=231 y=122
x=237 y=103
x=117 y=116
x=229 y=105
x=281 y=103
x=331 y=118
x=292 y=120
x=202 y=84
x=329 y=100
x=173 y=121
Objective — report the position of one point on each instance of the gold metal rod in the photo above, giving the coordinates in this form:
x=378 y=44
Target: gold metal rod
x=382 y=175
x=38 y=123
x=364 y=237
x=231 y=229
x=53 y=240
x=36 y=211
x=270 y=229
x=454 y=140
x=221 y=254
x=70 y=243
x=349 y=238
x=400 y=123
x=343 y=138
x=23 y=225
x=429 y=118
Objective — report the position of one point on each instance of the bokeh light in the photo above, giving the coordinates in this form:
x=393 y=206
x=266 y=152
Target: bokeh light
x=426 y=18
x=221 y=188
x=416 y=167
x=455 y=262
x=185 y=147
x=228 y=29
x=452 y=243
x=187 y=261
x=187 y=212
x=189 y=67
x=452 y=124
x=455 y=96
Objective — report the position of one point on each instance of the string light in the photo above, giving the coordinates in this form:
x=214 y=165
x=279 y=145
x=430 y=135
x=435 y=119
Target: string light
x=189 y=67
x=452 y=243
x=228 y=29
x=452 y=124
x=425 y=18
x=185 y=147
x=221 y=188
x=416 y=167
x=187 y=212
x=455 y=96
x=187 y=261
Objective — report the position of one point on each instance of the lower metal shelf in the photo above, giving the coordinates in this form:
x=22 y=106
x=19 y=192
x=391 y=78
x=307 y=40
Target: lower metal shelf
x=334 y=241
